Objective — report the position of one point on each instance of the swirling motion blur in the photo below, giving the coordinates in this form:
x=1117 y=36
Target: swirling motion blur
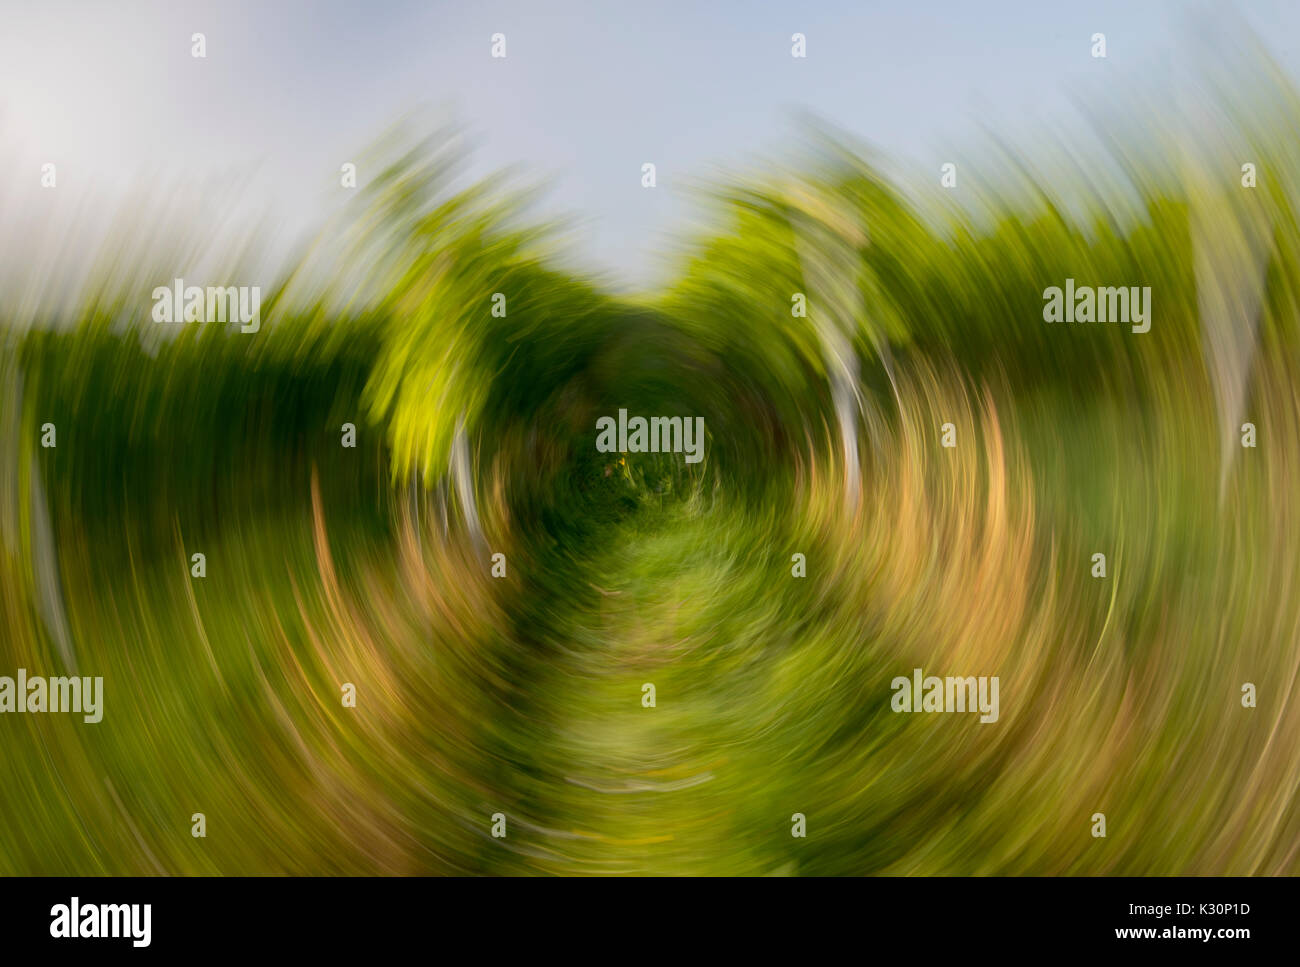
x=522 y=695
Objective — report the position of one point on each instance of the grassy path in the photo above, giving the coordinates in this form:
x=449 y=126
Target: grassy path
x=639 y=787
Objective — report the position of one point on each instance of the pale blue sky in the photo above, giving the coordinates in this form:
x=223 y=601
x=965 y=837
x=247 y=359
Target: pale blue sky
x=589 y=91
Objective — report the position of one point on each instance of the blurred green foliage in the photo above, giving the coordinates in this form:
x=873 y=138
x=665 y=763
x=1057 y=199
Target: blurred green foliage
x=523 y=695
